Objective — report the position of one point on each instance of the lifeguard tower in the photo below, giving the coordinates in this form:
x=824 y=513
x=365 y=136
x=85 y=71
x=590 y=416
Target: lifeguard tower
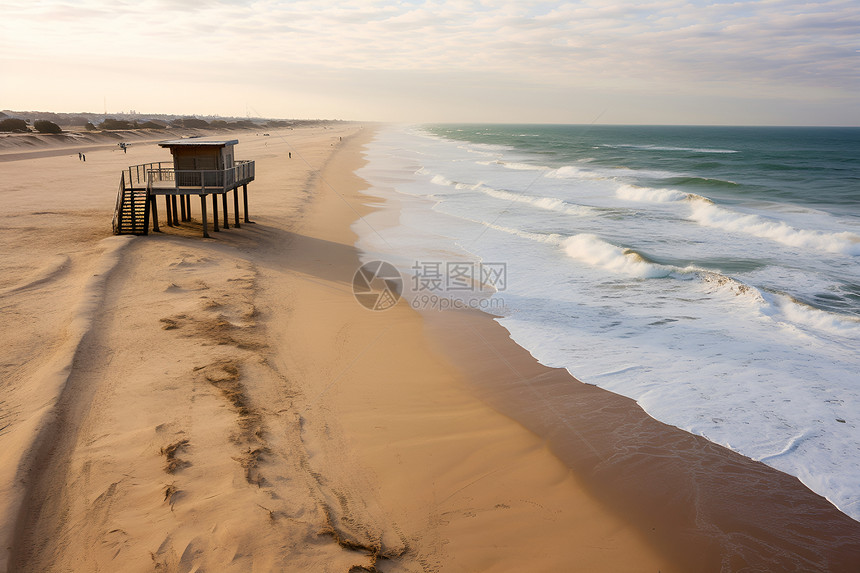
x=199 y=167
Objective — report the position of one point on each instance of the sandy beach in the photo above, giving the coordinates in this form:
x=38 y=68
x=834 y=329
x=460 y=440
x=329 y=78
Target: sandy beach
x=175 y=403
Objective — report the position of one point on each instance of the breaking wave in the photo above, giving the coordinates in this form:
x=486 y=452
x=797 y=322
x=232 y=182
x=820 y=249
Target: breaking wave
x=592 y=250
x=710 y=215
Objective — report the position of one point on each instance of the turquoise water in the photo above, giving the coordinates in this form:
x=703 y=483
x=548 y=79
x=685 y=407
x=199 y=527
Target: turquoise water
x=811 y=166
x=710 y=273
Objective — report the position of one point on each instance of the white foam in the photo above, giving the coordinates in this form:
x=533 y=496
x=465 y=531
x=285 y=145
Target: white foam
x=515 y=165
x=547 y=203
x=712 y=215
x=566 y=172
x=670 y=148
x=636 y=193
x=721 y=282
x=551 y=238
x=442 y=180
x=805 y=316
x=593 y=251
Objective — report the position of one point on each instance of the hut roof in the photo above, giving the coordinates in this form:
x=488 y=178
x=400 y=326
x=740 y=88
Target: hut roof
x=194 y=142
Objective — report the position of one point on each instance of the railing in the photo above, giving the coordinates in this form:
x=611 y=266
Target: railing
x=115 y=223
x=210 y=180
x=137 y=173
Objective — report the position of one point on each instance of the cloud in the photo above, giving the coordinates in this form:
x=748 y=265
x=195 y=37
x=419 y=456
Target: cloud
x=764 y=48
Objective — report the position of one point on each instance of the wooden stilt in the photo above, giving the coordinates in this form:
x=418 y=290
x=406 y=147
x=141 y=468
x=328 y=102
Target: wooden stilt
x=184 y=216
x=245 y=194
x=175 y=210
x=188 y=201
x=215 y=213
x=154 y=214
x=236 y=207
x=226 y=215
x=203 y=210
x=147 y=204
x=168 y=210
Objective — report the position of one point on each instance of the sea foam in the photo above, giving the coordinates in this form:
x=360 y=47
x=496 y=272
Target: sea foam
x=593 y=251
x=714 y=216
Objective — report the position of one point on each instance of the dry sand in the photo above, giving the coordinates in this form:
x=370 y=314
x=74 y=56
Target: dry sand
x=174 y=403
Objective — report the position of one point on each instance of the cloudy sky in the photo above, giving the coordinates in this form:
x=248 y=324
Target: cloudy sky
x=658 y=62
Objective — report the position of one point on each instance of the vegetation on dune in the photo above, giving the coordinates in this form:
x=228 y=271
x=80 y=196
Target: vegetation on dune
x=45 y=126
x=110 y=124
x=190 y=122
x=13 y=124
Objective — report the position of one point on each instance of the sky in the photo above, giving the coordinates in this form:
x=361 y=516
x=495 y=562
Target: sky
x=769 y=62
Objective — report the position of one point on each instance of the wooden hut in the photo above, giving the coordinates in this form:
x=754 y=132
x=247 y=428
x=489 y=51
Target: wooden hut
x=199 y=167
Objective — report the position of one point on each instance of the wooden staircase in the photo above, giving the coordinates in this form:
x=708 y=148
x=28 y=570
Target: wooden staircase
x=131 y=216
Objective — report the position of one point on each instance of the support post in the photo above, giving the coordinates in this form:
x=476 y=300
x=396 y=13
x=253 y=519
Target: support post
x=182 y=208
x=175 y=210
x=226 y=215
x=215 y=213
x=154 y=214
x=203 y=209
x=146 y=207
x=168 y=211
x=245 y=194
x=236 y=206
x=188 y=200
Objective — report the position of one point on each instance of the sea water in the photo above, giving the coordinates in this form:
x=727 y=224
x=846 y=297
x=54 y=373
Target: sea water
x=710 y=273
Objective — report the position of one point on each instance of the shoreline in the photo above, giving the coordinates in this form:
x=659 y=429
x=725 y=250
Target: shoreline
x=458 y=486
x=732 y=512
x=670 y=483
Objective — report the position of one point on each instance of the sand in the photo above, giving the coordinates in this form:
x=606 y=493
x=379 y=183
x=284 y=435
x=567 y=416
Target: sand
x=175 y=403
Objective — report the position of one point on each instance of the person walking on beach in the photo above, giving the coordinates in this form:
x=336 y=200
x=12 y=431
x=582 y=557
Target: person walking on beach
x=79 y=155
x=84 y=157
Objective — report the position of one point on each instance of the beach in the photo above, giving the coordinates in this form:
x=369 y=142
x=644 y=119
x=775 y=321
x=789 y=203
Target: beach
x=177 y=403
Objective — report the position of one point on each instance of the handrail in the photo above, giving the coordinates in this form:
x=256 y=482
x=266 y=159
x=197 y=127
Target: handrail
x=224 y=179
x=139 y=175
x=118 y=209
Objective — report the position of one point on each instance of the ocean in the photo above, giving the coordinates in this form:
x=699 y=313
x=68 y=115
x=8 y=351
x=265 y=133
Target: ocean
x=709 y=273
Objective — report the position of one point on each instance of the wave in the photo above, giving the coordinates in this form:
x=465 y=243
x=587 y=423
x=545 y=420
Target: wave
x=649 y=194
x=593 y=251
x=669 y=148
x=804 y=315
x=600 y=173
x=784 y=309
x=699 y=181
x=551 y=238
x=710 y=215
x=516 y=166
x=441 y=180
x=445 y=182
x=547 y=203
x=568 y=172
x=717 y=281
